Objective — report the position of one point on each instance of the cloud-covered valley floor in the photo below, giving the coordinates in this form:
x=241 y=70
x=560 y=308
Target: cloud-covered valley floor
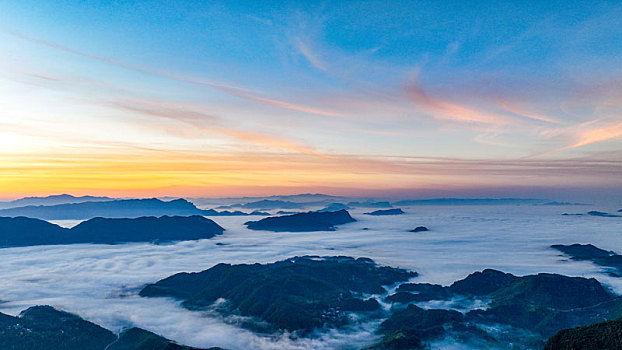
x=101 y=282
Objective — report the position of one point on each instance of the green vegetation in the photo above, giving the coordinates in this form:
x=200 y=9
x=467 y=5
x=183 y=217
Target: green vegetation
x=140 y=339
x=540 y=304
x=299 y=293
x=411 y=327
x=45 y=328
x=598 y=336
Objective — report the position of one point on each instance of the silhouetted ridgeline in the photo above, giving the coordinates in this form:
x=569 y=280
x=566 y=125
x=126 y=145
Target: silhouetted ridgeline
x=334 y=207
x=602 y=214
x=396 y=211
x=469 y=201
x=21 y=231
x=126 y=208
x=45 y=328
x=52 y=200
x=302 y=222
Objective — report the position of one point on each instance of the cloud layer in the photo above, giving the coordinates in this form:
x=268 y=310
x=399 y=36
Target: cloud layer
x=101 y=282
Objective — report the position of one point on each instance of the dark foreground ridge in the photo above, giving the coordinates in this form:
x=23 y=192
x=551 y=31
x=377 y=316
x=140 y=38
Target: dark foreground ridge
x=122 y=208
x=45 y=328
x=21 y=231
x=297 y=294
x=396 y=211
x=302 y=222
x=537 y=306
x=598 y=336
x=608 y=259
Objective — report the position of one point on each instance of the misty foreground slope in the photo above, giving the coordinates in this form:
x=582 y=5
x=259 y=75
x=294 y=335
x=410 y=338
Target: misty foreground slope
x=299 y=293
x=539 y=305
x=21 y=231
x=304 y=293
x=303 y=222
x=45 y=328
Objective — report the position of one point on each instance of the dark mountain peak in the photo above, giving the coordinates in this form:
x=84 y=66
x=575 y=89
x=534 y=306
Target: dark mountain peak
x=21 y=231
x=45 y=312
x=482 y=283
x=140 y=339
x=553 y=290
x=602 y=214
x=46 y=328
x=303 y=222
x=181 y=202
x=609 y=259
x=148 y=228
x=582 y=251
x=395 y=211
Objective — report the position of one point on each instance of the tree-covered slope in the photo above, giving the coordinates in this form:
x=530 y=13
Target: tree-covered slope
x=45 y=328
x=295 y=294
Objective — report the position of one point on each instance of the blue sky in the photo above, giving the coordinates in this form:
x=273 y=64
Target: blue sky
x=229 y=97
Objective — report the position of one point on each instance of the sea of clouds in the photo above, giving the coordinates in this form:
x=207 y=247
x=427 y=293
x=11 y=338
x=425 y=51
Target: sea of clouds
x=101 y=282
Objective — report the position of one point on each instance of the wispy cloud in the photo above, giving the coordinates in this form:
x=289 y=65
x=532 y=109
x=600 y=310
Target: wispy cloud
x=583 y=134
x=241 y=92
x=593 y=132
x=309 y=55
x=445 y=110
x=210 y=123
x=520 y=112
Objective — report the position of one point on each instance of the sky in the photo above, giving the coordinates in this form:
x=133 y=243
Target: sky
x=227 y=98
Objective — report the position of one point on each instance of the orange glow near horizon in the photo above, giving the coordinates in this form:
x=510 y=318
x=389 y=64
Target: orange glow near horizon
x=289 y=104
x=149 y=173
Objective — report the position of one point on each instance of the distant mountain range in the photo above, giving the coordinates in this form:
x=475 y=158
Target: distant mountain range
x=22 y=231
x=120 y=208
x=52 y=200
x=468 y=201
x=296 y=198
x=308 y=201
